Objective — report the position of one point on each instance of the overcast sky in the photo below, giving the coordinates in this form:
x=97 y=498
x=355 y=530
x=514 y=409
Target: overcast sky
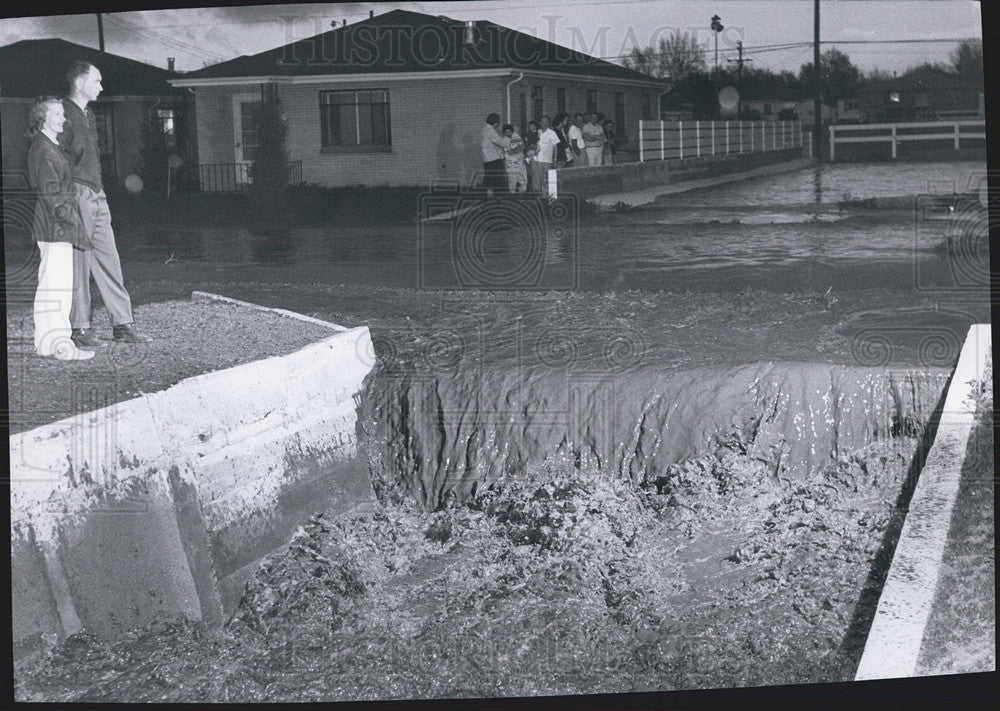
x=609 y=29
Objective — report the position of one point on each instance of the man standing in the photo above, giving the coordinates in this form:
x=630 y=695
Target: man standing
x=547 y=142
x=575 y=155
x=494 y=153
x=79 y=141
x=593 y=139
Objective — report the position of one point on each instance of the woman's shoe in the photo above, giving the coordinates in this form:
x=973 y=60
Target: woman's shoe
x=69 y=351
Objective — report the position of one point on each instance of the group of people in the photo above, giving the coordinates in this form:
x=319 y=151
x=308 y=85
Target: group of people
x=72 y=225
x=520 y=164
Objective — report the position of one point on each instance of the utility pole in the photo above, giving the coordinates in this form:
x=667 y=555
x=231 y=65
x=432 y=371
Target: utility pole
x=817 y=96
x=739 y=79
x=100 y=30
x=717 y=27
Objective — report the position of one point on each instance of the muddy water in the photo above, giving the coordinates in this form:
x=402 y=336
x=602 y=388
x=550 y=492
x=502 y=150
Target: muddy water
x=697 y=431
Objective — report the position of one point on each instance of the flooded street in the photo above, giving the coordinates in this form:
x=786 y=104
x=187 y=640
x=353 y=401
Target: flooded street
x=660 y=448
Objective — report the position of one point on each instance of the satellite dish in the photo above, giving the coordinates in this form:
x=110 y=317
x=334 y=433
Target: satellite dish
x=729 y=98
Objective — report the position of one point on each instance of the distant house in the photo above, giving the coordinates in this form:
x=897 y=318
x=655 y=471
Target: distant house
x=767 y=109
x=401 y=98
x=137 y=98
x=850 y=111
x=928 y=95
x=806 y=109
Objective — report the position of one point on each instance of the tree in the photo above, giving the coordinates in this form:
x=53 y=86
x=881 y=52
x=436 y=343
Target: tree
x=269 y=170
x=676 y=57
x=151 y=162
x=967 y=58
x=877 y=75
x=839 y=78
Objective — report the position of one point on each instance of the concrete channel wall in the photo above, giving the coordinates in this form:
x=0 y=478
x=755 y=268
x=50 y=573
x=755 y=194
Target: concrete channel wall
x=167 y=502
x=906 y=604
x=586 y=182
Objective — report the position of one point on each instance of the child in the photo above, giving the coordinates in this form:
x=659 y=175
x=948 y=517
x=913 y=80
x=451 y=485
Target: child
x=517 y=170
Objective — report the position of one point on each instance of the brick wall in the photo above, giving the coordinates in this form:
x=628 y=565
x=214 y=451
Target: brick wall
x=436 y=125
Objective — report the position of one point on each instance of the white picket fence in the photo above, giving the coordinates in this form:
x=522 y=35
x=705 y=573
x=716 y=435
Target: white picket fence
x=666 y=140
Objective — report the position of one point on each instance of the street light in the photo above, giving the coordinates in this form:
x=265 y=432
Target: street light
x=718 y=27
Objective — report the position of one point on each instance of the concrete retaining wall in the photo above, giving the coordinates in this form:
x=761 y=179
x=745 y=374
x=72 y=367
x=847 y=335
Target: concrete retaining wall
x=905 y=606
x=630 y=177
x=165 y=503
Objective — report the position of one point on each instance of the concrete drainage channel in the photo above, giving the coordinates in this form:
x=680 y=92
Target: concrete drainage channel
x=769 y=493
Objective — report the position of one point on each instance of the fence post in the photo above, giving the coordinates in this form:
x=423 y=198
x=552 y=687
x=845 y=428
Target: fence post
x=893 y=140
x=753 y=138
x=697 y=139
x=663 y=153
x=956 y=136
x=740 y=124
x=640 y=141
x=727 y=138
x=680 y=139
x=833 y=133
x=713 y=138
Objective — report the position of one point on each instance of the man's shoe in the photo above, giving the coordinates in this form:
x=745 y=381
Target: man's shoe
x=127 y=333
x=86 y=338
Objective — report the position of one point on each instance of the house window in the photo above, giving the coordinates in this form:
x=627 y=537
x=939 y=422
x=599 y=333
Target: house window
x=355 y=118
x=620 y=113
x=647 y=107
x=167 y=125
x=591 y=101
x=249 y=118
x=537 y=105
x=560 y=100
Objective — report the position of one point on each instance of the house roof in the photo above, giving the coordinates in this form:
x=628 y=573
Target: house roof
x=401 y=42
x=930 y=80
x=30 y=68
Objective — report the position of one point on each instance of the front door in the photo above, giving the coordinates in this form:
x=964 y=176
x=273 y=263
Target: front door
x=246 y=115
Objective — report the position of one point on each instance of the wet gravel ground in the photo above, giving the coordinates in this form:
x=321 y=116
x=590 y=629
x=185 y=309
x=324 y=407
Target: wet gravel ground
x=189 y=338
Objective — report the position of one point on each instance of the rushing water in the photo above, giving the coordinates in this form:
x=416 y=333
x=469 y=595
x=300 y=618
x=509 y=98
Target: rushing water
x=718 y=239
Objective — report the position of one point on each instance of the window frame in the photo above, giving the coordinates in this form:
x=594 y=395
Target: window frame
x=326 y=107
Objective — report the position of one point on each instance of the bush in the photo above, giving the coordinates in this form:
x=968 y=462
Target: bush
x=269 y=170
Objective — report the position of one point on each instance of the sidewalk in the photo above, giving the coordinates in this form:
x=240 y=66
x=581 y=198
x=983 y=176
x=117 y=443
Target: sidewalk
x=649 y=195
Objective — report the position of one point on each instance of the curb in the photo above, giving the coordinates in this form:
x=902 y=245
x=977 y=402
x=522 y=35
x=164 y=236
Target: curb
x=208 y=296
x=896 y=635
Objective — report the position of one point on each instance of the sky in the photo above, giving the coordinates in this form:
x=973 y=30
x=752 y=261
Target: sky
x=199 y=36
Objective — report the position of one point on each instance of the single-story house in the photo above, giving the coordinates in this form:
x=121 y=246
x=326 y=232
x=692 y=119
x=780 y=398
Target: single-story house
x=137 y=98
x=401 y=98
x=926 y=95
x=769 y=108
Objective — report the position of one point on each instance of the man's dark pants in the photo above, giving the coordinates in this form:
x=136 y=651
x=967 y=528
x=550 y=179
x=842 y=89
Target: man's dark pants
x=102 y=261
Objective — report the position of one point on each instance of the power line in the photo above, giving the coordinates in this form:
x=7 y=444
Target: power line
x=174 y=43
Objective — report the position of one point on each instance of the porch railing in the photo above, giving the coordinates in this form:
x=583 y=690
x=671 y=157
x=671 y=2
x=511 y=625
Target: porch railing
x=229 y=177
x=667 y=140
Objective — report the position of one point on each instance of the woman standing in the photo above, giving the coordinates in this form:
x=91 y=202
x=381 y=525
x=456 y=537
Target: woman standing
x=610 y=142
x=559 y=124
x=57 y=228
